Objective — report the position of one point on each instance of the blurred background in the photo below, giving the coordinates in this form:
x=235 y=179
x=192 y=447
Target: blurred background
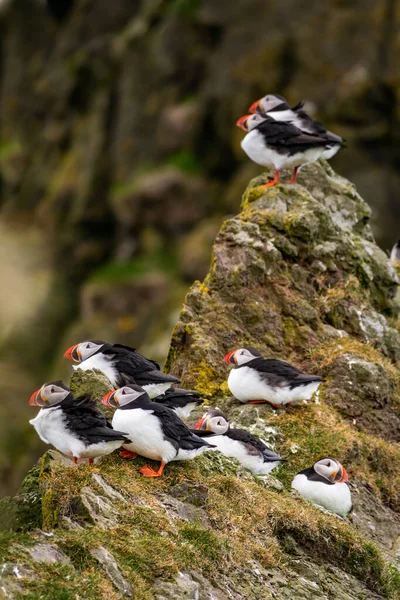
x=119 y=159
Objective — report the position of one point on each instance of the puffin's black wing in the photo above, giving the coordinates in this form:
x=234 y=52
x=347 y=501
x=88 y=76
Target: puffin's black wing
x=88 y=423
x=285 y=136
x=316 y=127
x=133 y=367
x=178 y=398
x=282 y=370
x=175 y=431
x=253 y=444
x=137 y=360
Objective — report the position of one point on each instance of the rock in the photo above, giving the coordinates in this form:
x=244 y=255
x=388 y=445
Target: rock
x=47 y=553
x=110 y=565
x=184 y=587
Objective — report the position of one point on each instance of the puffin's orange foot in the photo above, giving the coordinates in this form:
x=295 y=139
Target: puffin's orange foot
x=294 y=177
x=74 y=460
x=273 y=181
x=127 y=454
x=91 y=461
x=149 y=472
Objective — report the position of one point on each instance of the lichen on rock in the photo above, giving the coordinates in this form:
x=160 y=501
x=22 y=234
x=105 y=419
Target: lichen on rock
x=298 y=275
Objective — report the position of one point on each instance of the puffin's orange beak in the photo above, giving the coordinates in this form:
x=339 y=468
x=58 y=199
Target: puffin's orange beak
x=253 y=108
x=242 y=122
x=73 y=353
x=344 y=477
x=200 y=423
x=110 y=399
x=33 y=398
x=230 y=358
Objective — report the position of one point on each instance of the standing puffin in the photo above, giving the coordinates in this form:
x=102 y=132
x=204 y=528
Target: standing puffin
x=281 y=145
x=255 y=379
x=122 y=365
x=73 y=425
x=247 y=448
x=179 y=400
x=275 y=106
x=325 y=485
x=155 y=430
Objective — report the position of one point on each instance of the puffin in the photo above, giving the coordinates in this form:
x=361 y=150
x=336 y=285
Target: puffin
x=179 y=400
x=325 y=484
x=255 y=379
x=73 y=425
x=395 y=254
x=247 y=448
x=155 y=431
x=278 y=108
x=122 y=365
x=281 y=145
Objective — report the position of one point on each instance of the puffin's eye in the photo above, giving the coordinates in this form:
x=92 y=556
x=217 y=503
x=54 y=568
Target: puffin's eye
x=329 y=464
x=88 y=346
x=123 y=392
x=52 y=390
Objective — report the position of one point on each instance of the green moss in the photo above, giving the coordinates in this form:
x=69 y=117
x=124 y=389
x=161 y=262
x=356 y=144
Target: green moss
x=49 y=510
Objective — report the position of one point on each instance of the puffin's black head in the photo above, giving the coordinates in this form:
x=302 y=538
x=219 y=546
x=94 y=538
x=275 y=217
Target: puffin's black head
x=50 y=394
x=124 y=396
x=242 y=356
x=215 y=421
x=84 y=350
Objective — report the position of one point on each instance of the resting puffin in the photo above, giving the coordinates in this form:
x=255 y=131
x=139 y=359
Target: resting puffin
x=155 y=430
x=281 y=145
x=73 y=425
x=325 y=485
x=247 y=448
x=179 y=400
x=276 y=106
x=255 y=379
x=122 y=365
x=395 y=254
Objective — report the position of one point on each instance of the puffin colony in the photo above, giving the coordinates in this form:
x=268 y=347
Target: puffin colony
x=149 y=408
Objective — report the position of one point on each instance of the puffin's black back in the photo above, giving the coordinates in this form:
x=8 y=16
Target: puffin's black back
x=312 y=475
x=135 y=368
x=83 y=418
x=280 y=370
x=253 y=442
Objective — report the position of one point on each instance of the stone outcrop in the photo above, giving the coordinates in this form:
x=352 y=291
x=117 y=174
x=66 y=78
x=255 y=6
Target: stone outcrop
x=297 y=274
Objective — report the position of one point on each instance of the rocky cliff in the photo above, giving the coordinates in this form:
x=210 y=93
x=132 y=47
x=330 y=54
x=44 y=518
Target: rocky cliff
x=297 y=274
x=119 y=157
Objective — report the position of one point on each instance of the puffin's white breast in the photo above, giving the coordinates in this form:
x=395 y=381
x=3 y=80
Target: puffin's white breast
x=144 y=429
x=51 y=428
x=236 y=449
x=335 y=498
x=100 y=362
x=246 y=384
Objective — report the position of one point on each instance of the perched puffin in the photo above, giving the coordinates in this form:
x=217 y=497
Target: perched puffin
x=325 y=485
x=281 y=145
x=255 y=379
x=122 y=365
x=395 y=254
x=73 y=425
x=247 y=448
x=155 y=430
x=276 y=106
x=179 y=400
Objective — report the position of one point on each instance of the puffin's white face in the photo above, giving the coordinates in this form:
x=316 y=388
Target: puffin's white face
x=331 y=469
x=83 y=351
x=269 y=102
x=49 y=394
x=240 y=357
x=213 y=421
x=123 y=396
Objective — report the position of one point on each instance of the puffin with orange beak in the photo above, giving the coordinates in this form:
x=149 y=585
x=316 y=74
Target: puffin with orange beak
x=279 y=144
x=325 y=484
x=121 y=364
x=248 y=449
x=73 y=425
x=155 y=431
x=255 y=379
x=275 y=106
